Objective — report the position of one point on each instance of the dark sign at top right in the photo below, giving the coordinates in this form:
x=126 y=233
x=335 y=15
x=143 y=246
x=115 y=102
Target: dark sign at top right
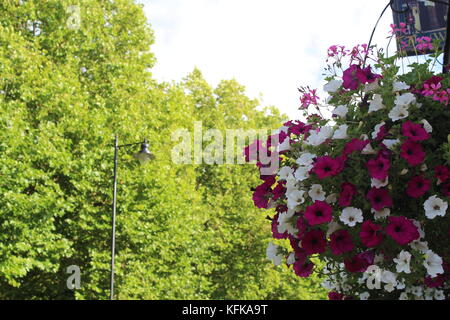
x=416 y=19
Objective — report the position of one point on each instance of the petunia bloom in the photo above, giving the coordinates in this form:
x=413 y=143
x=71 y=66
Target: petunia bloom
x=348 y=191
x=417 y=187
x=314 y=242
x=318 y=213
x=412 y=152
x=415 y=132
x=341 y=242
x=402 y=230
x=370 y=234
x=326 y=167
x=379 y=198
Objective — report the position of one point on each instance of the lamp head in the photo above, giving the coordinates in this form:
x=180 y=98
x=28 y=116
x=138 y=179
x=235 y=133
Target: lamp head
x=144 y=155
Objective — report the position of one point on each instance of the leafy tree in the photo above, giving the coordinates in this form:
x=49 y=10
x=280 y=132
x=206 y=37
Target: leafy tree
x=183 y=231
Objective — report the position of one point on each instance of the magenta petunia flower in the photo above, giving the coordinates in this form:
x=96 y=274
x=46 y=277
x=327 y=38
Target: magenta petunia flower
x=412 y=152
x=354 y=76
x=418 y=186
x=356 y=264
x=442 y=173
x=351 y=80
x=318 y=213
x=348 y=191
x=279 y=191
x=370 y=234
x=354 y=145
x=314 y=242
x=333 y=295
x=379 y=198
x=302 y=226
x=303 y=267
x=415 y=132
x=341 y=242
x=379 y=167
x=326 y=167
x=263 y=192
x=402 y=230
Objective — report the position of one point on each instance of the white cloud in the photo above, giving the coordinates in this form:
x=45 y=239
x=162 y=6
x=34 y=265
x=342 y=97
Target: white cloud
x=271 y=47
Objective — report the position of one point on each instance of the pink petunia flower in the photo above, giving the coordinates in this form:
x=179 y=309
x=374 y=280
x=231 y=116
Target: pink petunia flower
x=412 y=152
x=415 y=132
x=326 y=167
x=379 y=198
x=370 y=234
x=318 y=213
x=314 y=242
x=303 y=267
x=348 y=191
x=263 y=192
x=354 y=145
x=402 y=230
x=379 y=167
x=417 y=187
x=442 y=173
x=356 y=264
x=333 y=295
x=341 y=242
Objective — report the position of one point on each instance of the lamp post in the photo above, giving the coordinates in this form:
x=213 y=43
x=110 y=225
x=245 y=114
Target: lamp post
x=143 y=156
x=447 y=43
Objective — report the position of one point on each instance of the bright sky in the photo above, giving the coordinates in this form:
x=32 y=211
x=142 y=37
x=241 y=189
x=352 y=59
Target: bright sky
x=270 y=46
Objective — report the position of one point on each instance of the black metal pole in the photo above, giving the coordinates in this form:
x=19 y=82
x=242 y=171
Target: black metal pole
x=447 y=43
x=113 y=223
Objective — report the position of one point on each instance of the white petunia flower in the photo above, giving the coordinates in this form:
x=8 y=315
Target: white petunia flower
x=285 y=146
x=285 y=172
x=340 y=111
x=341 y=132
x=273 y=255
x=382 y=214
x=421 y=246
x=403 y=296
x=405 y=99
x=417 y=291
x=316 y=193
x=391 y=143
x=291 y=184
x=369 y=87
x=285 y=223
x=403 y=260
x=290 y=259
x=433 y=264
x=351 y=216
x=398 y=112
x=401 y=284
x=302 y=173
x=364 y=296
x=419 y=228
x=427 y=126
x=390 y=279
x=377 y=130
x=429 y=294
x=333 y=86
x=333 y=226
x=435 y=207
x=379 y=183
x=306 y=159
x=376 y=103
x=400 y=85
x=295 y=198
x=439 y=295
x=332 y=198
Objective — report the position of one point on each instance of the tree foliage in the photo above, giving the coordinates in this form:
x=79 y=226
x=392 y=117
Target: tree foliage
x=183 y=231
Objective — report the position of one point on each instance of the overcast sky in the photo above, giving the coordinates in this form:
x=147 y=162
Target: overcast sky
x=270 y=46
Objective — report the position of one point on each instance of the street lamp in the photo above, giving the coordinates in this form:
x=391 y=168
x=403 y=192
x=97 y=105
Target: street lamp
x=143 y=156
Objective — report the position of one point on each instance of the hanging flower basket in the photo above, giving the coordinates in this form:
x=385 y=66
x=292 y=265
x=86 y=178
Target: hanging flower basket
x=361 y=196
